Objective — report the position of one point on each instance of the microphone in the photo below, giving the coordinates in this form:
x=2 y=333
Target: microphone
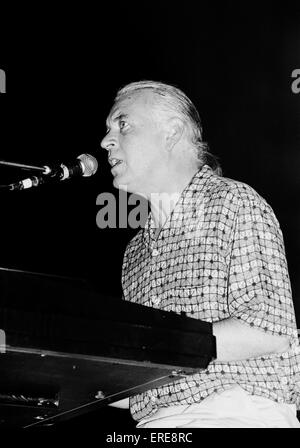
x=85 y=165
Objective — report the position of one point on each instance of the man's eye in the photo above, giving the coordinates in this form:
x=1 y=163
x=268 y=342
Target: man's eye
x=123 y=124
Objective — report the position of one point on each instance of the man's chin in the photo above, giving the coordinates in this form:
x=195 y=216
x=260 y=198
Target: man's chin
x=121 y=184
x=117 y=183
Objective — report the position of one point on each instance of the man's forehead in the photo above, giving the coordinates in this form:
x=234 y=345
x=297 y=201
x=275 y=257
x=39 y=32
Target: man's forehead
x=118 y=108
x=131 y=103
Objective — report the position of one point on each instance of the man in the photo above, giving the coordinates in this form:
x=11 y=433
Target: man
x=211 y=247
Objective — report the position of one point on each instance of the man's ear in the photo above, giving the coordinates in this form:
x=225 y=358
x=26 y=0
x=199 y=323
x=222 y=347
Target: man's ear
x=175 y=129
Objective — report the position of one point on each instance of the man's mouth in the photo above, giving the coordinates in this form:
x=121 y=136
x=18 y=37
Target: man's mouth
x=114 y=162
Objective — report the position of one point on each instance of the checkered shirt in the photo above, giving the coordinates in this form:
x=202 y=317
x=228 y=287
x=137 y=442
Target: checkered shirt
x=219 y=255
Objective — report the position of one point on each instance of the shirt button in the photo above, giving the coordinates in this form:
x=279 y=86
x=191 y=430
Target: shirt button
x=155 y=252
x=155 y=300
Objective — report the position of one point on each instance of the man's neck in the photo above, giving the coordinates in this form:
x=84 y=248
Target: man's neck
x=162 y=204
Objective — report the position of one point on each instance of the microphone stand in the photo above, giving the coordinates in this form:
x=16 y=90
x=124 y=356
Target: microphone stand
x=39 y=180
x=22 y=166
x=41 y=177
x=5 y=188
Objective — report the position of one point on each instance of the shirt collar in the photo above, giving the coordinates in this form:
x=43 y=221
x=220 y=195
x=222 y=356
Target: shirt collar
x=186 y=201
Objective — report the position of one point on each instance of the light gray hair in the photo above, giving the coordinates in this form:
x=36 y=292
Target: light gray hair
x=175 y=100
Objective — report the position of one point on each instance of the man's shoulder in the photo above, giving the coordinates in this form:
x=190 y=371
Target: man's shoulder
x=235 y=191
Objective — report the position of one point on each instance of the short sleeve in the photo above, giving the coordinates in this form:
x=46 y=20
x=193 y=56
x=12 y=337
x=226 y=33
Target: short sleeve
x=259 y=291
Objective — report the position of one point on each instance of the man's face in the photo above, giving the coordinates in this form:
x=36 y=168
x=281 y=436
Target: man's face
x=135 y=143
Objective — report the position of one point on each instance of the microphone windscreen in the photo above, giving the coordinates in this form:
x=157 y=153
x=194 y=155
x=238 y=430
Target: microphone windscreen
x=89 y=164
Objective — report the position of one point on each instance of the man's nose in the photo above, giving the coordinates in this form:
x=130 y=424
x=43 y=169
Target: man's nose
x=109 y=142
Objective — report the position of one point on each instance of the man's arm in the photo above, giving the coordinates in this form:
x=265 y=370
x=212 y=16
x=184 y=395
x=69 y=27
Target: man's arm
x=259 y=294
x=236 y=341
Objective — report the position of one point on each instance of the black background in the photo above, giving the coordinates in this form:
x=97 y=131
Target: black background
x=63 y=67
